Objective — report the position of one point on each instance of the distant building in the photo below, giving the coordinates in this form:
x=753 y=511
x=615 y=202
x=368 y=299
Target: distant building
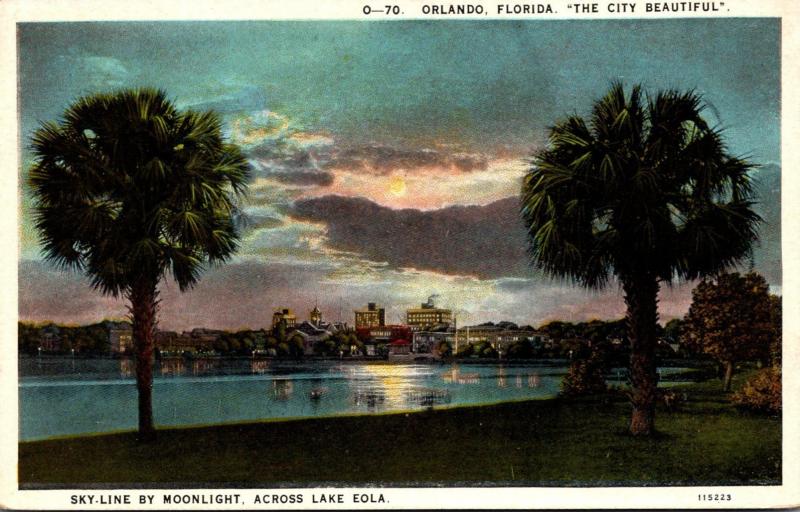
x=377 y=339
x=335 y=327
x=499 y=336
x=284 y=315
x=315 y=316
x=384 y=333
x=399 y=347
x=120 y=337
x=372 y=316
x=167 y=342
x=427 y=342
x=311 y=334
x=428 y=315
x=196 y=340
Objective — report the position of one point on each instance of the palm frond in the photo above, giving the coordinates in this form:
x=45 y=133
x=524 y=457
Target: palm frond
x=125 y=184
x=644 y=187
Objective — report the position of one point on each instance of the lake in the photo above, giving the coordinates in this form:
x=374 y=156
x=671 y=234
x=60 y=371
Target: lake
x=65 y=396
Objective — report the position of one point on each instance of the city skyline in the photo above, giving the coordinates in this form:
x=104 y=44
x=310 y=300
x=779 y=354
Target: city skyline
x=387 y=159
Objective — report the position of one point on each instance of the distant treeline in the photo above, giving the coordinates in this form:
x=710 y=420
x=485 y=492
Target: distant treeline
x=58 y=338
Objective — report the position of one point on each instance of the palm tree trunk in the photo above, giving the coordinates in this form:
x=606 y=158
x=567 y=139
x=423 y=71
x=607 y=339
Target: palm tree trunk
x=728 y=375
x=641 y=299
x=144 y=306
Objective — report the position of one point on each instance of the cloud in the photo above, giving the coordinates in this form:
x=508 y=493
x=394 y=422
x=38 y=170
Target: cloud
x=482 y=241
x=302 y=178
x=96 y=72
x=428 y=189
x=232 y=98
x=383 y=159
x=258 y=128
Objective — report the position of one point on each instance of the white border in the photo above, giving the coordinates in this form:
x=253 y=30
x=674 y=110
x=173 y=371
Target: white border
x=14 y=11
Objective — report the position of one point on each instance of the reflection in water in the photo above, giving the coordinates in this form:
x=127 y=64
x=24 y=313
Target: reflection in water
x=317 y=391
x=385 y=387
x=203 y=366
x=126 y=367
x=454 y=376
x=426 y=397
x=282 y=389
x=371 y=399
x=173 y=367
x=381 y=386
x=259 y=366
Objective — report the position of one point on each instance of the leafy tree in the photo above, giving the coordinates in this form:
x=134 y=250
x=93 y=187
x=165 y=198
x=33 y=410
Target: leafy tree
x=444 y=349
x=221 y=345
x=644 y=192
x=325 y=347
x=296 y=346
x=776 y=322
x=557 y=329
x=466 y=351
x=731 y=319
x=28 y=338
x=129 y=189
x=522 y=349
x=586 y=375
x=762 y=392
x=672 y=330
x=280 y=331
x=234 y=344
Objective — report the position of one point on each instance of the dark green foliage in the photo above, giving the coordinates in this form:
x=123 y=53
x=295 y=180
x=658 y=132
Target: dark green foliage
x=296 y=346
x=523 y=349
x=84 y=339
x=326 y=347
x=241 y=343
x=126 y=185
x=28 y=338
x=482 y=349
x=645 y=184
x=444 y=349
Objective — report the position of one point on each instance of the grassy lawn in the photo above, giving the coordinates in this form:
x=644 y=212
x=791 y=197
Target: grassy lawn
x=549 y=442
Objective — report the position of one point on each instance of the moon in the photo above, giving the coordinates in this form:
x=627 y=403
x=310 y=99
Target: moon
x=397 y=186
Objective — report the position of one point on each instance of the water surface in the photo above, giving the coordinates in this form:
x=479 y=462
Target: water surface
x=64 y=396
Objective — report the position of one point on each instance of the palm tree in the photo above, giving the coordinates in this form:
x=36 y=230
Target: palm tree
x=646 y=192
x=128 y=190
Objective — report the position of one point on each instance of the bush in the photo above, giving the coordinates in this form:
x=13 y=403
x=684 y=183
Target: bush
x=585 y=377
x=761 y=392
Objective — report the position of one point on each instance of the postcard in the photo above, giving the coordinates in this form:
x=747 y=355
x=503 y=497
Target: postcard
x=365 y=255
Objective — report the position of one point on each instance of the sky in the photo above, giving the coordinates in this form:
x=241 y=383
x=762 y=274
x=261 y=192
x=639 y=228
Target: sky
x=388 y=156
